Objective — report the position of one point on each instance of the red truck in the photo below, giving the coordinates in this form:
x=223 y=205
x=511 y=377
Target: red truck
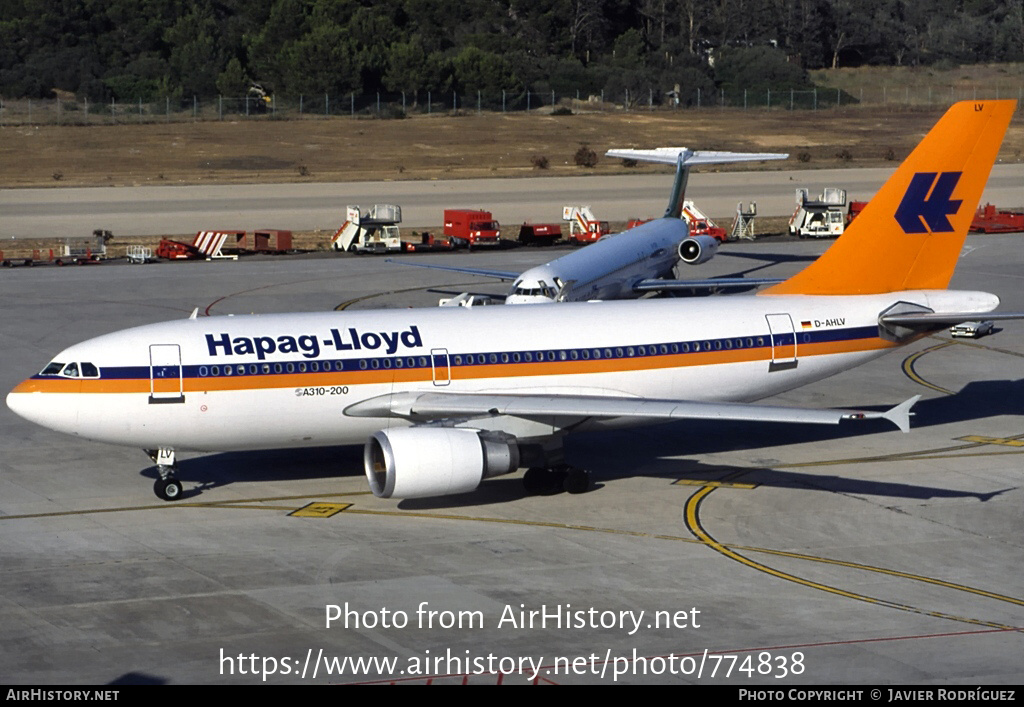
x=471 y=227
x=540 y=233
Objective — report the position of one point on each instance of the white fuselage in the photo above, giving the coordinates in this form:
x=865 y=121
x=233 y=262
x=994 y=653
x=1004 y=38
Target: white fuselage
x=271 y=381
x=606 y=269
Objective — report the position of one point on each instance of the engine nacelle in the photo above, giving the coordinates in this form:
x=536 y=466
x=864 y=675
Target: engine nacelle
x=415 y=462
x=698 y=249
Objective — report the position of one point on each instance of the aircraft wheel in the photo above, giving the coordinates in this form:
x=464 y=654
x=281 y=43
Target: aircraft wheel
x=168 y=489
x=577 y=481
x=536 y=480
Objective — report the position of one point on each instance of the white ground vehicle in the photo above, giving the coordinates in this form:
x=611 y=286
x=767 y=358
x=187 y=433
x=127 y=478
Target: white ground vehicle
x=375 y=231
x=821 y=217
x=972 y=330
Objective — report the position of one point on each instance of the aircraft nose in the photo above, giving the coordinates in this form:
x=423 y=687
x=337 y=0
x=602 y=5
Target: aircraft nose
x=31 y=404
x=21 y=403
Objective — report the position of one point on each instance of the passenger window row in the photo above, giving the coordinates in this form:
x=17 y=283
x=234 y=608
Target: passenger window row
x=492 y=358
x=89 y=370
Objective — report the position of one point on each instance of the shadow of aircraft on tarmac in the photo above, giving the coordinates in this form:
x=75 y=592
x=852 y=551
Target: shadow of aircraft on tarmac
x=649 y=451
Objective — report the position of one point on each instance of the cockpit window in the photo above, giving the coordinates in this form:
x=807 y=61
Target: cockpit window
x=71 y=370
x=542 y=289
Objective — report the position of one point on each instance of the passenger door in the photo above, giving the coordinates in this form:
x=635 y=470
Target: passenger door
x=441 y=367
x=165 y=376
x=783 y=342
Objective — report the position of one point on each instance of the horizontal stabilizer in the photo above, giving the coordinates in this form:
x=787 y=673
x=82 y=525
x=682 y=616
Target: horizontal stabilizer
x=930 y=320
x=439 y=406
x=688 y=157
x=684 y=158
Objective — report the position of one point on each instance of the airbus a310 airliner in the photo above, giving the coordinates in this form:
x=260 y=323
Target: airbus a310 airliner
x=443 y=398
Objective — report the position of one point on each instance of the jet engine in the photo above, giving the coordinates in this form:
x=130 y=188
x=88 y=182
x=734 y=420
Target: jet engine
x=415 y=462
x=698 y=249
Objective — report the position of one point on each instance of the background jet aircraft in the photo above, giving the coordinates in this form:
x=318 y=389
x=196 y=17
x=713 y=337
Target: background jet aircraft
x=629 y=264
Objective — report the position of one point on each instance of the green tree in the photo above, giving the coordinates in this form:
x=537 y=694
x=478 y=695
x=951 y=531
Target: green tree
x=758 y=68
x=370 y=31
x=629 y=50
x=411 y=69
x=321 y=62
x=194 y=58
x=477 y=70
x=233 y=81
x=270 y=50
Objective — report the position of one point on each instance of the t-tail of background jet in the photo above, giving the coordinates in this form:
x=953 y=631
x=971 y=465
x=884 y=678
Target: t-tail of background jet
x=684 y=159
x=911 y=233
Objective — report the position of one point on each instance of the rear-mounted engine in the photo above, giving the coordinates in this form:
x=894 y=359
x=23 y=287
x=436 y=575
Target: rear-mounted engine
x=698 y=249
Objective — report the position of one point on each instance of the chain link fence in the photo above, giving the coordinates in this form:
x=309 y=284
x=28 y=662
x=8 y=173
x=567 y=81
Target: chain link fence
x=400 y=105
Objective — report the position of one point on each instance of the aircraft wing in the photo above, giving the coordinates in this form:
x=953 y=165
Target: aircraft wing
x=688 y=157
x=498 y=274
x=436 y=406
x=461 y=293
x=658 y=285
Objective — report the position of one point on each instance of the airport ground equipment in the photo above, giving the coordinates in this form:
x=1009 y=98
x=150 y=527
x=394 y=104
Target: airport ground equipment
x=207 y=245
x=84 y=250
x=584 y=227
x=855 y=208
x=701 y=224
x=539 y=233
x=139 y=254
x=472 y=228
x=428 y=243
x=743 y=223
x=466 y=300
x=375 y=231
x=634 y=222
x=210 y=244
x=267 y=240
x=820 y=217
x=259 y=99
x=989 y=219
x=176 y=250
x=81 y=250
x=27 y=257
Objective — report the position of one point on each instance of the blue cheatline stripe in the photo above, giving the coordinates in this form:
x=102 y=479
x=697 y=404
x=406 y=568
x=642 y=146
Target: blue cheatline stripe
x=522 y=356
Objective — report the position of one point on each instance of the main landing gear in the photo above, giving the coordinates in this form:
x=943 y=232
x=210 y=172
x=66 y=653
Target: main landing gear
x=544 y=481
x=167 y=486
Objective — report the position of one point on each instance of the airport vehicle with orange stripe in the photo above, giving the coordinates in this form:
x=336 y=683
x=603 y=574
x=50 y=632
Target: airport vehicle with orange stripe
x=443 y=398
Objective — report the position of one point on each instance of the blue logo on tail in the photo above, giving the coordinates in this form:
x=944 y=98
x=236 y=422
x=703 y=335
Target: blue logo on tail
x=926 y=205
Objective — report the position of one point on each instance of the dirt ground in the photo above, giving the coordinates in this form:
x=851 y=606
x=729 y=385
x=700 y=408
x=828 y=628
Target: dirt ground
x=432 y=147
x=261 y=150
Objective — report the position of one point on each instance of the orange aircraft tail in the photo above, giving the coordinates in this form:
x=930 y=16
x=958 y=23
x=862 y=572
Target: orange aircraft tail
x=910 y=234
